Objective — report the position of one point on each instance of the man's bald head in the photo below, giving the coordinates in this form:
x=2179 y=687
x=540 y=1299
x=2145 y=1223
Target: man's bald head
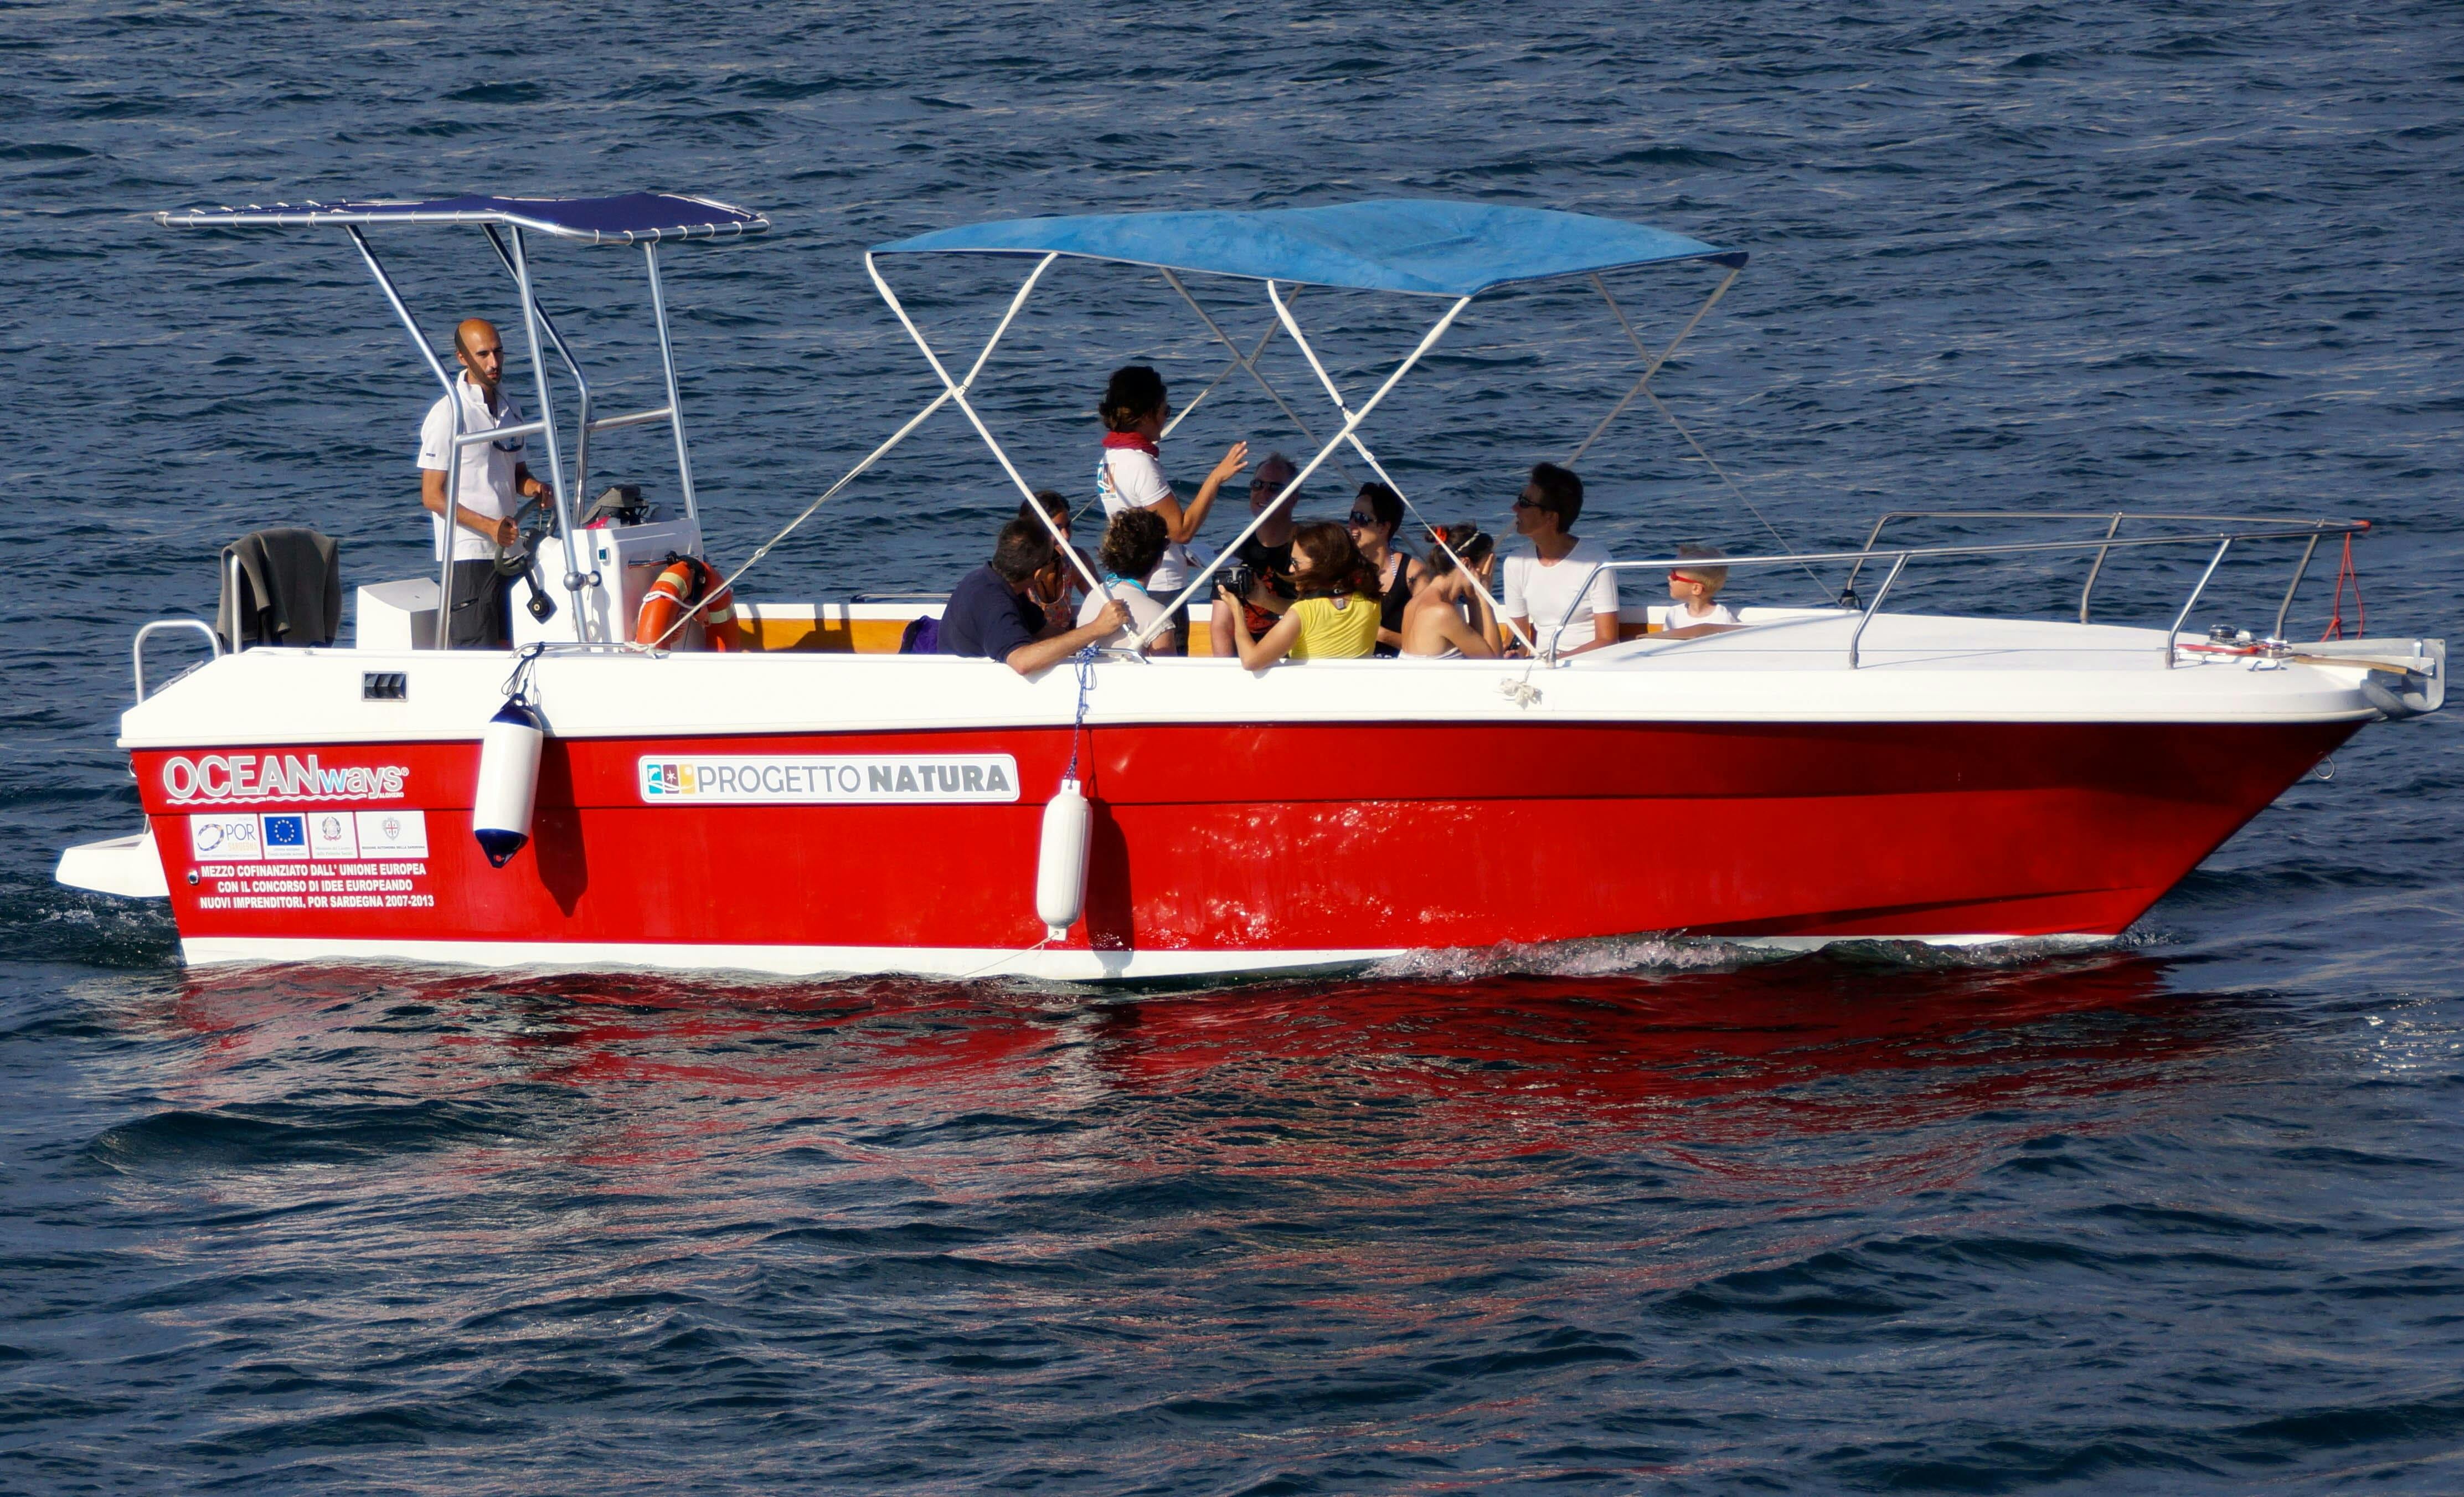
x=1266 y=494
x=481 y=351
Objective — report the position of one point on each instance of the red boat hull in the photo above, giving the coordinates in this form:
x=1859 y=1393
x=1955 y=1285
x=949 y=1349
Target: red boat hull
x=1320 y=838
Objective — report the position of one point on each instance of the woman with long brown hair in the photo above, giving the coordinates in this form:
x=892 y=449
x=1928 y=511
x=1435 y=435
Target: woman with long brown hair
x=1336 y=617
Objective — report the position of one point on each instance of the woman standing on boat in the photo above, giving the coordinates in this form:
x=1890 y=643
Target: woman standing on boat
x=1131 y=475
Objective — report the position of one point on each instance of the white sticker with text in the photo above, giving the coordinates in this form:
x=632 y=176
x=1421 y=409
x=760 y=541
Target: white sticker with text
x=827 y=780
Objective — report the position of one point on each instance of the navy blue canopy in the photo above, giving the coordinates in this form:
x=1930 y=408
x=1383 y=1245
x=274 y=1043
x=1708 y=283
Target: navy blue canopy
x=629 y=218
x=1424 y=246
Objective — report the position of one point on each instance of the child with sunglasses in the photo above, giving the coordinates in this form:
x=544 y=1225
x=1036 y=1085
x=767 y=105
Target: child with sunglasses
x=1692 y=588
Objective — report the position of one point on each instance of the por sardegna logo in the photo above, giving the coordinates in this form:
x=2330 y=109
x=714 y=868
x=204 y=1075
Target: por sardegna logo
x=287 y=777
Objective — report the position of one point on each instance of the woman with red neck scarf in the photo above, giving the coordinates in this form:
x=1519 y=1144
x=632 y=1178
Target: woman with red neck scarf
x=1131 y=475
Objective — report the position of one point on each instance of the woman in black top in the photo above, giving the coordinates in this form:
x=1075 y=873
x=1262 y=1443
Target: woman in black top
x=1376 y=514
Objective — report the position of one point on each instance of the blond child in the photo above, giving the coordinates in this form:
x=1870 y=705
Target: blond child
x=1693 y=591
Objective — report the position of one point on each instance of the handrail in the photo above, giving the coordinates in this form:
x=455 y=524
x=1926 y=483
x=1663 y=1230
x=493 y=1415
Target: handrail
x=2173 y=633
x=498 y=433
x=1898 y=565
x=2280 y=530
x=1874 y=538
x=2300 y=569
x=137 y=647
x=637 y=418
x=2097 y=566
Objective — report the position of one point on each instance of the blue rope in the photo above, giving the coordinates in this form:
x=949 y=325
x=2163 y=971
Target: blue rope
x=517 y=686
x=1086 y=659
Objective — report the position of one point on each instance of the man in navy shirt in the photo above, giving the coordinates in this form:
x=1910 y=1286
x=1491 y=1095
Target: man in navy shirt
x=990 y=614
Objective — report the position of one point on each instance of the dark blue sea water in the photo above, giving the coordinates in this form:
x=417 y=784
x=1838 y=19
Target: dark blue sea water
x=2180 y=1216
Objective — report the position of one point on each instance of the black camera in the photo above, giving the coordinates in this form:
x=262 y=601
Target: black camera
x=1240 y=580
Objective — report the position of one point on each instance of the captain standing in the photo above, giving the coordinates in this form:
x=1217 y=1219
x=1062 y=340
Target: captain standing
x=494 y=481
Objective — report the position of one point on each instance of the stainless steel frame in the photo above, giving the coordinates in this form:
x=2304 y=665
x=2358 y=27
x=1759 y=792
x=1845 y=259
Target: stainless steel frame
x=2258 y=528
x=668 y=366
x=453 y=415
x=136 y=647
x=2115 y=519
x=310 y=214
x=566 y=497
x=512 y=251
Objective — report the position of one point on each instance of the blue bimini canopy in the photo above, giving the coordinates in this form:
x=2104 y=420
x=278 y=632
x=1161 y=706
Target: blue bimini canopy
x=1419 y=246
x=629 y=218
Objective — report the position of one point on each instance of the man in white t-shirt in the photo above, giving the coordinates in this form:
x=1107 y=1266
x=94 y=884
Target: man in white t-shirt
x=1557 y=581
x=495 y=480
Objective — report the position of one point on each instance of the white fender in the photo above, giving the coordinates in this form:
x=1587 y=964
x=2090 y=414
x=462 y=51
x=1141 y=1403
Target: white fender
x=509 y=761
x=1061 y=865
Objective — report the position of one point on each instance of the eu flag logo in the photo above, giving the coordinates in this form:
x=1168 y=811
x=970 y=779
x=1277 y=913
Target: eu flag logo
x=287 y=837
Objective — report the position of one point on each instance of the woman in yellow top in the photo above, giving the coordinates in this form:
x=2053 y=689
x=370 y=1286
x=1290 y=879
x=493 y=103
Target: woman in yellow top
x=1336 y=617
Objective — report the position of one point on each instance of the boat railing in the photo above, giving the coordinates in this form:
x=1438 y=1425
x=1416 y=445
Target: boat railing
x=136 y=647
x=2241 y=529
x=2114 y=520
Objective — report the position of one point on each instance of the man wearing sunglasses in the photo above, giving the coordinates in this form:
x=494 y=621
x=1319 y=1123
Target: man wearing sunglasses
x=1549 y=583
x=494 y=481
x=1268 y=555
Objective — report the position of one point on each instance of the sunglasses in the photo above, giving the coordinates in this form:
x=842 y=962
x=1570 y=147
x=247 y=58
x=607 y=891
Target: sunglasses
x=1524 y=501
x=1358 y=517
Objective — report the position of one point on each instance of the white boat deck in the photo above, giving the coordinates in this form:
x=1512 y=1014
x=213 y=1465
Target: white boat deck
x=1789 y=668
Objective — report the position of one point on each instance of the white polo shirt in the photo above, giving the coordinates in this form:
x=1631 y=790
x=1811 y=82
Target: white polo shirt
x=487 y=467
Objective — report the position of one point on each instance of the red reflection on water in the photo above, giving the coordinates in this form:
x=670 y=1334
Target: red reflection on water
x=1795 y=1094
x=1759 y=1031
x=1706 y=1064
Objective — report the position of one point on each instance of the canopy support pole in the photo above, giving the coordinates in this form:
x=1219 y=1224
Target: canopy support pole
x=454 y=444
x=668 y=366
x=1224 y=373
x=826 y=494
x=547 y=432
x=1250 y=363
x=1651 y=361
x=949 y=392
x=1291 y=325
x=957 y=391
x=1351 y=420
x=1642 y=387
x=580 y=442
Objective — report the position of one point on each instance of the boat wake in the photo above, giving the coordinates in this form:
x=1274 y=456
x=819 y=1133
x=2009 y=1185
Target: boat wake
x=1644 y=955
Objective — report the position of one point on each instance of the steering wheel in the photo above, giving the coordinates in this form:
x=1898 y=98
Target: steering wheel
x=534 y=522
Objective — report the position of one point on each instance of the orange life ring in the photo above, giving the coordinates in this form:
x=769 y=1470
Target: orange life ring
x=679 y=587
